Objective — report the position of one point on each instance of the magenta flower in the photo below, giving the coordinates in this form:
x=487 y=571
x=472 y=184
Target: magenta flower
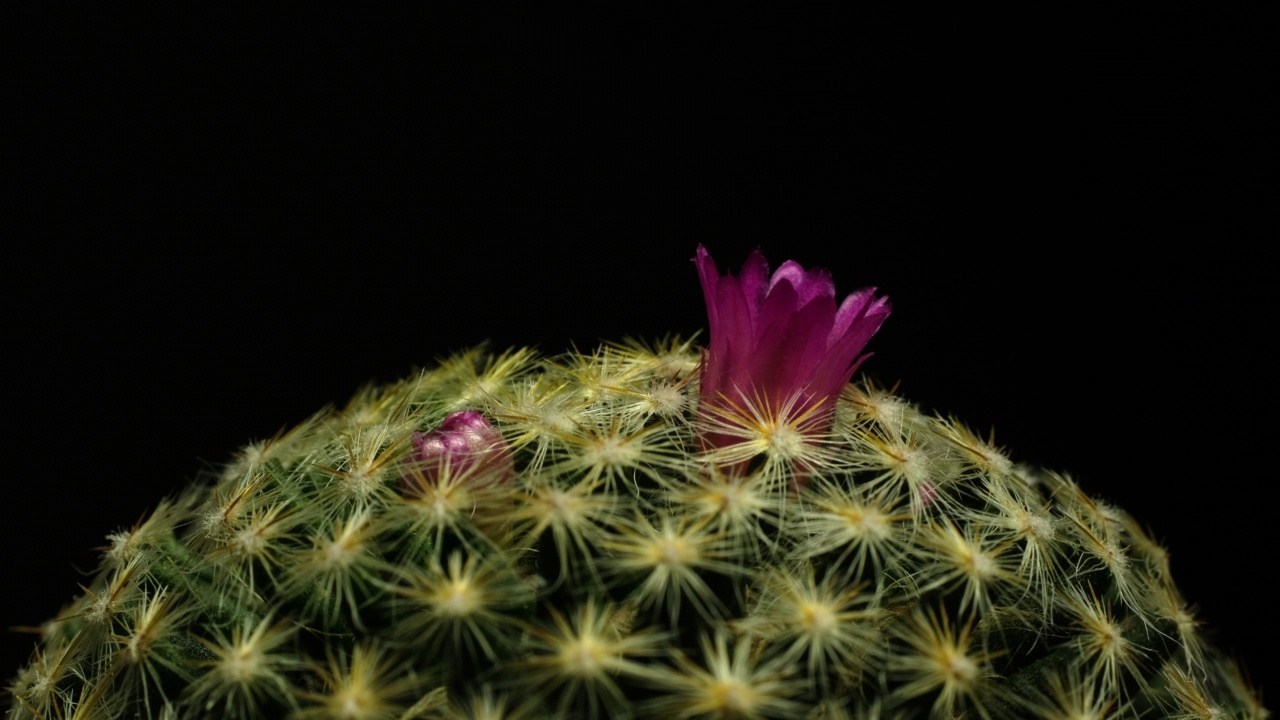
x=779 y=343
x=466 y=445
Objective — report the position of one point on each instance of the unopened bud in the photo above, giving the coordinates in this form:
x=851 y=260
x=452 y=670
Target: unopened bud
x=466 y=447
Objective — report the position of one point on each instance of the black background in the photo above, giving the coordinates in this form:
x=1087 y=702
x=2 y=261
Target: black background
x=224 y=223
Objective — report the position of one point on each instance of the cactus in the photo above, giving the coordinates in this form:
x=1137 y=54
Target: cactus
x=649 y=529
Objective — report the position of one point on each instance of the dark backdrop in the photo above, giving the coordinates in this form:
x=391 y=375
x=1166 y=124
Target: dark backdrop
x=225 y=223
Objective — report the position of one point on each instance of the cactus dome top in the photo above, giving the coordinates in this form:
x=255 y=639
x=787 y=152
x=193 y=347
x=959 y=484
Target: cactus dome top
x=597 y=534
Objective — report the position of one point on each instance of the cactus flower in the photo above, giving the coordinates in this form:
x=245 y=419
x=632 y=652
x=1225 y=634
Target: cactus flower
x=780 y=344
x=465 y=443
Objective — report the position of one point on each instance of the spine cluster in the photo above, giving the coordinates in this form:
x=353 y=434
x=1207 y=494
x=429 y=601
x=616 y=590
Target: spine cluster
x=506 y=536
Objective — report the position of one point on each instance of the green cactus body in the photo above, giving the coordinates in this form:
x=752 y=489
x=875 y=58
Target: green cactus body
x=592 y=558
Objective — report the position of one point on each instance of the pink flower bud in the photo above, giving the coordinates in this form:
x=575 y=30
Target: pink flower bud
x=466 y=447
